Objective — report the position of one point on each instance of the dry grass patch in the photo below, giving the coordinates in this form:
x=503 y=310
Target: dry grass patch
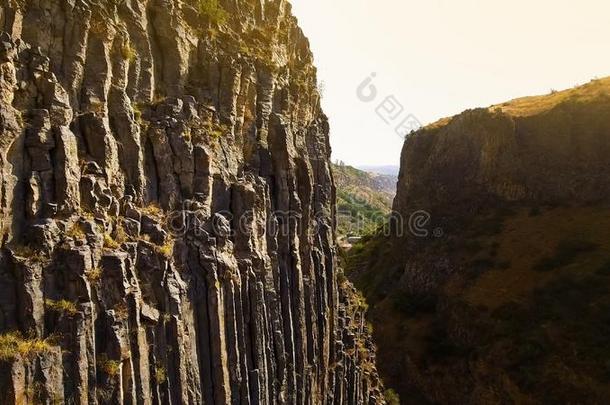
x=153 y=210
x=94 y=275
x=62 y=307
x=160 y=374
x=121 y=311
x=166 y=250
x=120 y=234
x=76 y=232
x=109 y=367
x=538 y=249
x=110 y=243
x=13 y=345
x=528 y=106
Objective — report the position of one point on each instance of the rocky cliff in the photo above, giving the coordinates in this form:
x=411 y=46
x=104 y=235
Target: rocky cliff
x=167 y=210
x=543 y=149
x=493 y=285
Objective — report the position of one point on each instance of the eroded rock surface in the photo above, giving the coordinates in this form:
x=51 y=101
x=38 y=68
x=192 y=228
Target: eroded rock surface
x=167 y=210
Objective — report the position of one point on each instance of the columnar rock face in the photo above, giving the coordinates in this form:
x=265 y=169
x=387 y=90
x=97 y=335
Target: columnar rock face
x=167 y=210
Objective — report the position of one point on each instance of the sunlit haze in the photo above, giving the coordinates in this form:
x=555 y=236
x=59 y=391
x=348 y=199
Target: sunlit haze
x=440 y=57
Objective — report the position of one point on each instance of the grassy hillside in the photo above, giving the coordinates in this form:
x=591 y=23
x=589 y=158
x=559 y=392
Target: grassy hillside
x=522 y=313
x=512 y=303
x=363 y=200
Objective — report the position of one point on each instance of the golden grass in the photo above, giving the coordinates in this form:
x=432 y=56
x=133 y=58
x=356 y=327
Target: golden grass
x=13 y=345
x=121 y=236
x=76 y=232
x=110 y=243
x=160 y=374
x=89 y=216
x=62 y=307
x=153 y=210
x=166 y=250
x=110 y=367
x=534 y=105
x=94 y=275
x=527 y=106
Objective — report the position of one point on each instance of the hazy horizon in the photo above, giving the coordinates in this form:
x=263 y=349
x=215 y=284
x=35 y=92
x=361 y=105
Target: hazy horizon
x=431 y=56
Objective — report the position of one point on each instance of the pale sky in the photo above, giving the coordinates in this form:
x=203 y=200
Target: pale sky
x=440 y=57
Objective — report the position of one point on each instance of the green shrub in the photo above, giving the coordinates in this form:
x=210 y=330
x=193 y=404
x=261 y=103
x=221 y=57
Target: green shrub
x=391 y=397
x=217 y=131
x=212 y=11
x=128 y=53
x=341 y=279
x=137 y=111
x=357 y=216
x=109 y=367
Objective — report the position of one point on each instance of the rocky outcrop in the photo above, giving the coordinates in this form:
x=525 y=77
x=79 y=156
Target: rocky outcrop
x=167 y=210
x=538 y=150
x=490 y=283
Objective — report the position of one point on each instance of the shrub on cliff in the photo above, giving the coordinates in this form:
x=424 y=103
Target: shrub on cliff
x=110 y=367
x=213 y=11
x=391 y=397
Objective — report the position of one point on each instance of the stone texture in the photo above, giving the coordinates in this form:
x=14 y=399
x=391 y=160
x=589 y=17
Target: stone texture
x=178 y=195
x=539 y=150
